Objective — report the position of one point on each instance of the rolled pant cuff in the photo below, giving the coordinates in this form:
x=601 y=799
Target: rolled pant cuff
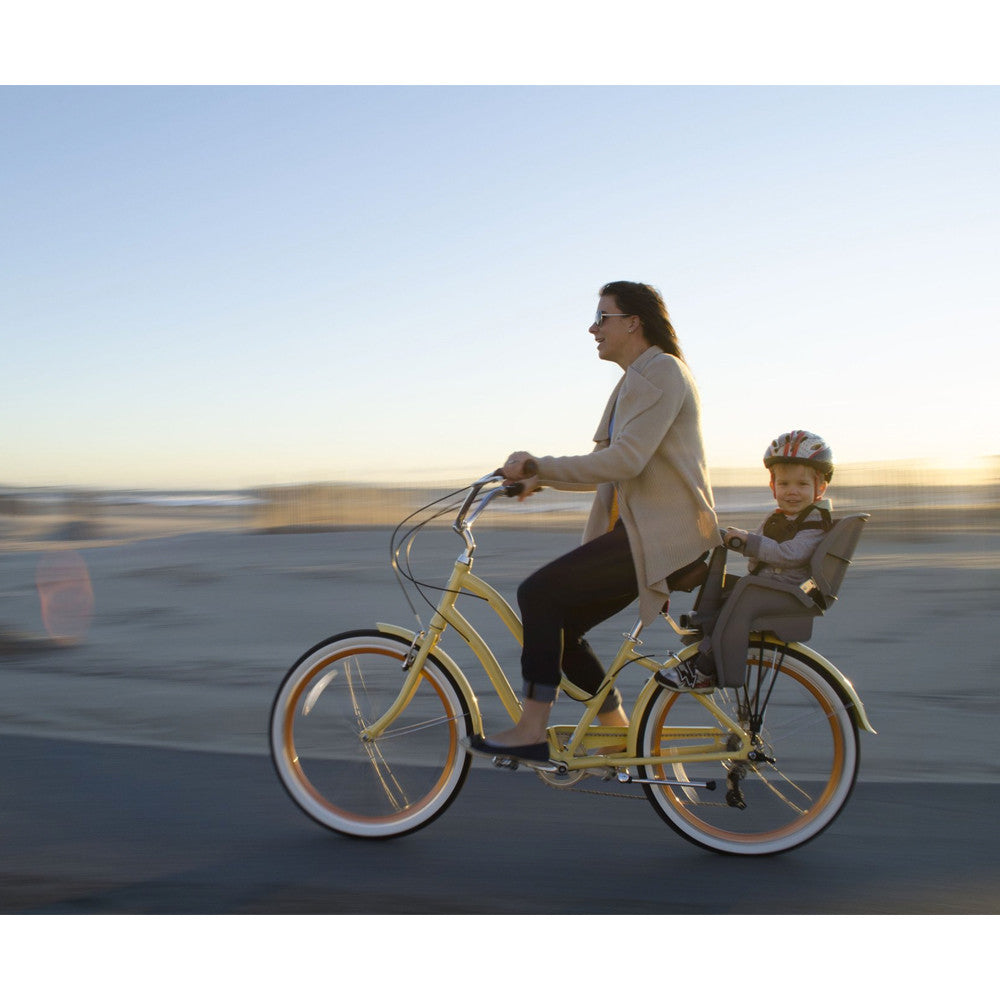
x=540 y=692
x=611 y=703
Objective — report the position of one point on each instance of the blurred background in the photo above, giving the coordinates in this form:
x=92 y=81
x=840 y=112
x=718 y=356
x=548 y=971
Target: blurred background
x=918 y=498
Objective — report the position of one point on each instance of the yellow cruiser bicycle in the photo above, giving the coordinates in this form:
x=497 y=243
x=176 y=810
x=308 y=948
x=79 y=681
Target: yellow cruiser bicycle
x=368 y=728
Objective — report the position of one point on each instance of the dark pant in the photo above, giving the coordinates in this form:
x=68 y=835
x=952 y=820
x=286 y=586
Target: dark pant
x=561 y=602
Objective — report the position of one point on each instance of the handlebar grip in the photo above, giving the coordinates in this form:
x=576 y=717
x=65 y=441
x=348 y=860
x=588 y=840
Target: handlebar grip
x=735 y=544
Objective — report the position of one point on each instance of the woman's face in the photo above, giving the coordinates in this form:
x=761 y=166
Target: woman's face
x=615 y=336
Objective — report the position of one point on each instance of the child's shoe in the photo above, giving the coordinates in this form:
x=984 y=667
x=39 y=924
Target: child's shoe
x=686 y=677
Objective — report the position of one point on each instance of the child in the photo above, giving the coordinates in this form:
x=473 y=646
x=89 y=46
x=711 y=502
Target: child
x=801 y=466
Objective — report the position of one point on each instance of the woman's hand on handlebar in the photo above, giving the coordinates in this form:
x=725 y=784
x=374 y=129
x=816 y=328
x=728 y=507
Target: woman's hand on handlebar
x=519 y=466
x=522 y=468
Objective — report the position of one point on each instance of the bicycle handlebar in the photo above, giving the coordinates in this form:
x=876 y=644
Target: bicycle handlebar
x=463 y=522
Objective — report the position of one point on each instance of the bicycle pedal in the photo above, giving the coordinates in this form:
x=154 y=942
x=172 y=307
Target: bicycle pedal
x=513 y=763
x=506 y=763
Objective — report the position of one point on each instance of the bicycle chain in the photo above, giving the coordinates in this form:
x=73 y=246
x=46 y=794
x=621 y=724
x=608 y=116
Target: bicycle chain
x=613 y=795
x=626 y=795
x=574 y=787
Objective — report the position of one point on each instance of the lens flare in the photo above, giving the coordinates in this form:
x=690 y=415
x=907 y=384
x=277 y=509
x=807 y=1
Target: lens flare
x=65 y=595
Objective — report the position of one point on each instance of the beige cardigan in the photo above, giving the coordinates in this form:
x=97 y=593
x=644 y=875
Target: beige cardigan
x=655 y=456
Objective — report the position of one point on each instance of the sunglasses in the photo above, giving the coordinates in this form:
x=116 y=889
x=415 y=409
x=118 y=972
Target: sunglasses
x=602 y=316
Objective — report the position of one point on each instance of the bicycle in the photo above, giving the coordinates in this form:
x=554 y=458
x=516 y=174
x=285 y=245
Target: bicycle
x=367 y=727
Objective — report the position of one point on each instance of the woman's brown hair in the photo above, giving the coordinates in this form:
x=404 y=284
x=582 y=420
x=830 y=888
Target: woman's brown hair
x=644 y=301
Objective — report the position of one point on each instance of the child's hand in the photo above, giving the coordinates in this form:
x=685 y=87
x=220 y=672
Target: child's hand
x=734 y=538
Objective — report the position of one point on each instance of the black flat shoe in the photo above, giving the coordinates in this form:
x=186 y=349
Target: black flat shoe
x=537 y=753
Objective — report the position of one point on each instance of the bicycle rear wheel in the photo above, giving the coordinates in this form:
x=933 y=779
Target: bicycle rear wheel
x=393 y=785
x=807 y=740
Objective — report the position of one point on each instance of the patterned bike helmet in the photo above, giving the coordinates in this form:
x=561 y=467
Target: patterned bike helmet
x=800 y=448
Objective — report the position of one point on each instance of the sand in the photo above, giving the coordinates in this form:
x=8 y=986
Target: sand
x=195 y=621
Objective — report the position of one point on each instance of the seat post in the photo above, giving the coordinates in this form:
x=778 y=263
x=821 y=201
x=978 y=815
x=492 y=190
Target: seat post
x=633 y=633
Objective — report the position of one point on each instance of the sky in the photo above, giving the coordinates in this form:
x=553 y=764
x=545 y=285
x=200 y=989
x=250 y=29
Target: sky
x=232 y=286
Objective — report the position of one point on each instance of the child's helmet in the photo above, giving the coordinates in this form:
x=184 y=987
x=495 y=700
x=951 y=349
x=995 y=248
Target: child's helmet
x=800 y=448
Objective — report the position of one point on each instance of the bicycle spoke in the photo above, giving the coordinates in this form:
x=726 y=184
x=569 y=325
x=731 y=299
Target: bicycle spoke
x=372 y=751
x=351 y=666
x=793 y=725
x=776 y=791
x=416 y=727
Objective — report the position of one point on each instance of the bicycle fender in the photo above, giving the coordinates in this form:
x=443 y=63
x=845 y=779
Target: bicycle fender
x=398 y=632
x=841 y=682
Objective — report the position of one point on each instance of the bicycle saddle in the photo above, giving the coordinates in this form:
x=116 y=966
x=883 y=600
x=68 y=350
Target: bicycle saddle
x=689 y=577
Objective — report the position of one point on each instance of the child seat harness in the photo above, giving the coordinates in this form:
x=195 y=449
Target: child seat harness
x=779 y=529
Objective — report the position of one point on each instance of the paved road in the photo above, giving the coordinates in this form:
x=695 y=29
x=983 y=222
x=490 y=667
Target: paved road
x=104 y=828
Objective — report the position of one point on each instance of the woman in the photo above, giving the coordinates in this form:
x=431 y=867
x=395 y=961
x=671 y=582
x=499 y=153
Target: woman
x=652 y=514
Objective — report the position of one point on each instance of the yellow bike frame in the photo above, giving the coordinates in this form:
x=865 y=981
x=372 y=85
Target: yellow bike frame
x=567 y=744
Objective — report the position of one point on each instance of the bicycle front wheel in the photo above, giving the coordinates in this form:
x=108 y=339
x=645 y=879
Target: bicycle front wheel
x=806 y=748
x=394 y=784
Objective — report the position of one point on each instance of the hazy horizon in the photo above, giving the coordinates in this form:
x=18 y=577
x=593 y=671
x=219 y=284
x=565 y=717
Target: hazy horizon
x=901 y=472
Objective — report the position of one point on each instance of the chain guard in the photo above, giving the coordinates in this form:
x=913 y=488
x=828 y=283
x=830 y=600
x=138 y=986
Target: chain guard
x=572 y=778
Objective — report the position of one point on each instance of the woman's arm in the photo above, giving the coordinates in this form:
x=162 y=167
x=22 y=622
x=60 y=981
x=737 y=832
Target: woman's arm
x=647 y=407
